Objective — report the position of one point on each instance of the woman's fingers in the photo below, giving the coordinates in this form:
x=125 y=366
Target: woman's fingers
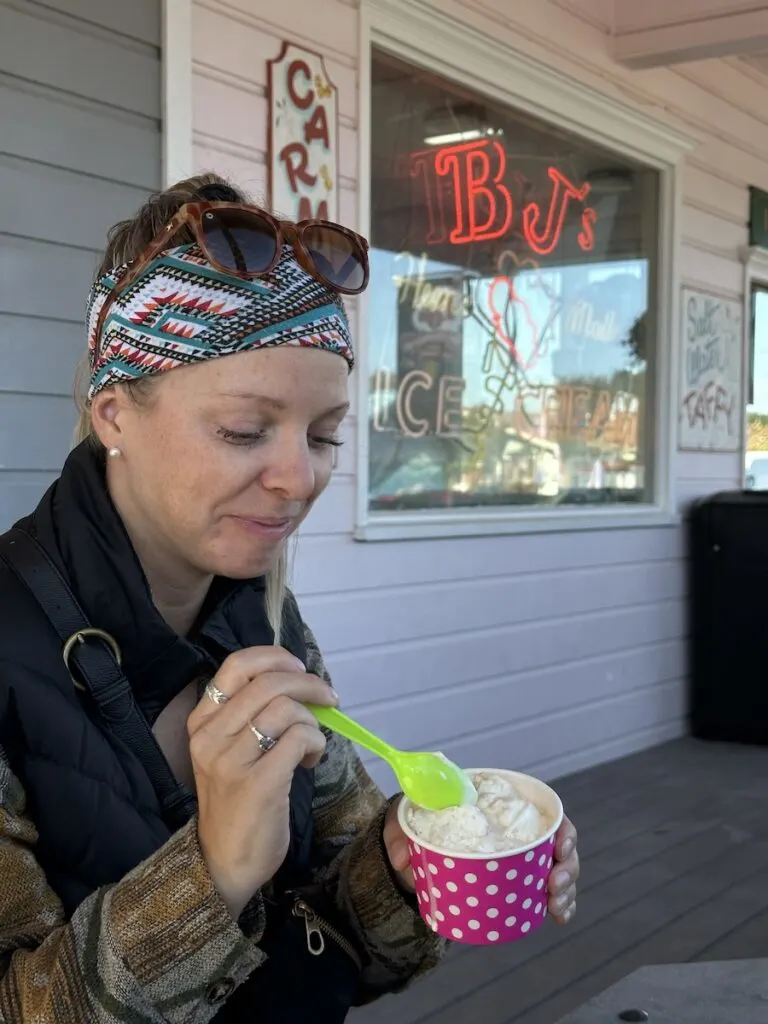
x=250 y=701
x=243 y=666
x=301 y=744
x=242 y=749
x=272 y=688
x=280 y=714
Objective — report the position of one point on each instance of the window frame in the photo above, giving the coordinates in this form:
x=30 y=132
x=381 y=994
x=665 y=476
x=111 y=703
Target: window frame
x=412 y=30
x=755 y=260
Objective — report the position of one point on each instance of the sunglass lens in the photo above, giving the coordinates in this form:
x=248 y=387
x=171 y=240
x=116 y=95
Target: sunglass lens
x=336 y=256
x=239 y=240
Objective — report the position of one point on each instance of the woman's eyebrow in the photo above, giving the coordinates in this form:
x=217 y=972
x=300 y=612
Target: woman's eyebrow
x=276 y=403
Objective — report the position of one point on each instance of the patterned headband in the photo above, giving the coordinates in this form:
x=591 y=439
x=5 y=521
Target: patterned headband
x=180 y=311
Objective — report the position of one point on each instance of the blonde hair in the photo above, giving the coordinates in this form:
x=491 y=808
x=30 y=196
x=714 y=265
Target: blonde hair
x=124 y=242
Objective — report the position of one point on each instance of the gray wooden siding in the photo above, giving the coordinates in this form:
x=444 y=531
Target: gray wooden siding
x=80 y=147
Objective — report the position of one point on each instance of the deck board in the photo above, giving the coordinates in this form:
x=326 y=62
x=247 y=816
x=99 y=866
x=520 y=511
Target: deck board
x=674 y=846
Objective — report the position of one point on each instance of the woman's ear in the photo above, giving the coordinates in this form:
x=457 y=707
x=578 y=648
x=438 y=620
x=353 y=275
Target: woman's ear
x=106 y=416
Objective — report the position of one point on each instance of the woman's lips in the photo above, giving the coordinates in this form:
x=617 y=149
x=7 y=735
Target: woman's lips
x=269 y=529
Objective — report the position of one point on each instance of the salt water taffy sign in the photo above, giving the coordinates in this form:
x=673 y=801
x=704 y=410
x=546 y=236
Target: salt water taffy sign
x=710 y=399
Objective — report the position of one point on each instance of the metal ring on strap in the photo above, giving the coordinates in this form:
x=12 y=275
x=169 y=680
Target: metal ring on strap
x=79 y=638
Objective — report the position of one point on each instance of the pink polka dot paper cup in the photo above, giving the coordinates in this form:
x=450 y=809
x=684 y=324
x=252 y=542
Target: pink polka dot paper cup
x=487 y=899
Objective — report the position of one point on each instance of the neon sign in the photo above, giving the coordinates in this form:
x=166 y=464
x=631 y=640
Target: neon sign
x=499 y=321
x=466 y=183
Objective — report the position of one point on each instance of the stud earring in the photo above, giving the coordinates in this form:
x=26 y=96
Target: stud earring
x=114 y=453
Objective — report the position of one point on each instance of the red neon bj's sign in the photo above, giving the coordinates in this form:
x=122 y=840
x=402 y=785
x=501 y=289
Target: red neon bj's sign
x=468 y=201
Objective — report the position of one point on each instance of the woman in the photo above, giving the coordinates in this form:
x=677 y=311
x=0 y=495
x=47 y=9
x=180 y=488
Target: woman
x=178 y=838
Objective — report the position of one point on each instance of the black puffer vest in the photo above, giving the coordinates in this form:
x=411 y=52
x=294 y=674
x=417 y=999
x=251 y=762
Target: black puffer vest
x=90 y=797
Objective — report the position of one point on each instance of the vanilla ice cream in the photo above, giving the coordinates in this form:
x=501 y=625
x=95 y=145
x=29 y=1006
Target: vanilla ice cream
x=501 y=820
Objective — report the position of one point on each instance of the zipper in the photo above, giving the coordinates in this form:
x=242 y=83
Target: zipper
x=317 y=929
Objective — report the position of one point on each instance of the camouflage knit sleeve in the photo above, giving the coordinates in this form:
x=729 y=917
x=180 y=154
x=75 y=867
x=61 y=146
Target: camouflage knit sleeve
x=159 y=946
x=351 y=861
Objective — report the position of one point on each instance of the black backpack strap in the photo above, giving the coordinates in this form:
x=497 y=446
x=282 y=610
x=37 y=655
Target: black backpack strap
x=92 y=658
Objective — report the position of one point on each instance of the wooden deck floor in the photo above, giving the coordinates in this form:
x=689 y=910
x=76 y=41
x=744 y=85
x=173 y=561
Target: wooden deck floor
x=674 y=847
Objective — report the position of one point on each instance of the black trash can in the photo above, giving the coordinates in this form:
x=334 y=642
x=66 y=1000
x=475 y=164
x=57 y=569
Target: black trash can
x=728 y=549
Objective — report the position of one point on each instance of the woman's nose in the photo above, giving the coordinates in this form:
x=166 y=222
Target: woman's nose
x=291 y=471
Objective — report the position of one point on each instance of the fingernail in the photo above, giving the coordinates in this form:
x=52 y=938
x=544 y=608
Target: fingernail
x=567 y=848
x=335 y=695
x=562 y=879
x=300 y=665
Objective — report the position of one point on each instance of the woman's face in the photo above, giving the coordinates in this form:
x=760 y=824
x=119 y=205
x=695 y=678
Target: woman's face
x=222 y=461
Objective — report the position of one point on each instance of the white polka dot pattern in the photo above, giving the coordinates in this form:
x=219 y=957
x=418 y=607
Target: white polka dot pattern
x=483 y=902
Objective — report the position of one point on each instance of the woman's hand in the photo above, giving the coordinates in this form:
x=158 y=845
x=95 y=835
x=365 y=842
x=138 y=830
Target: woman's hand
x=396 y=846
x=565 y=874
x=243 y=791
x=562 y=881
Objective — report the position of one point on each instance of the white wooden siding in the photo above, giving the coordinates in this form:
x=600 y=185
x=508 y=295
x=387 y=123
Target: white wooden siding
x=80 y=148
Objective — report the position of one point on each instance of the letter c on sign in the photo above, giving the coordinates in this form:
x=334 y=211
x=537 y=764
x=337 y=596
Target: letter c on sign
x=295 y=68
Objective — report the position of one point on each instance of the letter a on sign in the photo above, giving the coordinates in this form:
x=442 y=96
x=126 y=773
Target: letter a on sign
x=303 y=143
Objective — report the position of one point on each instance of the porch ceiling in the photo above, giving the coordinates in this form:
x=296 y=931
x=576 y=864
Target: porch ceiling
x=658 y=32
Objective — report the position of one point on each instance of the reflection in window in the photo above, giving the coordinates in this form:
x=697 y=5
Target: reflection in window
x=511 y=337
x=756 y=458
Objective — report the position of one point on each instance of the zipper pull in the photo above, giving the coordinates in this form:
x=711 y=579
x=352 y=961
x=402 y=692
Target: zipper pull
x=315 y=937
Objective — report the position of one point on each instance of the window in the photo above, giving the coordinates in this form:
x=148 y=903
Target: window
x=756 y=457
x=511 y=338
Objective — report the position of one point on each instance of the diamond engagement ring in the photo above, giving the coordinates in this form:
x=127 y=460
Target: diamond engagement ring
x=214 y=694
x=266 y=743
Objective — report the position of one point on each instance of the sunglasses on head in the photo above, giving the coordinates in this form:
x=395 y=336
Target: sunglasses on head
x=246 y=242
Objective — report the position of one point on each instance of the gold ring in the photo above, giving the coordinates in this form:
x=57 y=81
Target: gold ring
x=79 y=638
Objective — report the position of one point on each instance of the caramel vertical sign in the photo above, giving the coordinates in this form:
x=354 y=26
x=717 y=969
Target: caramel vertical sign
x=303 y=136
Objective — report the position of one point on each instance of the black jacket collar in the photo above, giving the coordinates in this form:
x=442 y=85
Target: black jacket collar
x=81 y=529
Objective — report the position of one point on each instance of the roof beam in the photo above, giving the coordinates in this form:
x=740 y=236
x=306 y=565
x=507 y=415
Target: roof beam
x=650 y=38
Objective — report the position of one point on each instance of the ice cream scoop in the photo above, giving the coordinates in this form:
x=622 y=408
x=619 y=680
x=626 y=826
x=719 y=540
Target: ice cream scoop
x=427 y=779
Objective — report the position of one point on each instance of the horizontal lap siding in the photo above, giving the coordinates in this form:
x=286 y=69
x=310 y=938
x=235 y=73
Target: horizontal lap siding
x=80 y=148
x=548 y=652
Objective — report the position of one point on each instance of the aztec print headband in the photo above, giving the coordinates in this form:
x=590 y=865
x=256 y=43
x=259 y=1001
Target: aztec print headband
x=180 y=310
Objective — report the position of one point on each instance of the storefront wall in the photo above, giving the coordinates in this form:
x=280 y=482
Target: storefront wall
x=81 y=148
x=548 y=651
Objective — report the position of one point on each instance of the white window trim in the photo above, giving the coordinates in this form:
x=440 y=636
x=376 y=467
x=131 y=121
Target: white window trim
x=177 y=128
x=755 y=260
x=414 y=30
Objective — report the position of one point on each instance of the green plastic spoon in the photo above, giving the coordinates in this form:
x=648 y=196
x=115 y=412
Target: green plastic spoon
x=429 y=780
